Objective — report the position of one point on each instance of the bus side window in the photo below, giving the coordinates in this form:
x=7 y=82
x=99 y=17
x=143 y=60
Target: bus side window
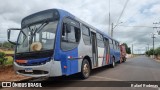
x=86 y=35
x=118 y=46
x=114 y=44
x=111 y=43
x=63 y=29
x=100 y=41
x=71 y=37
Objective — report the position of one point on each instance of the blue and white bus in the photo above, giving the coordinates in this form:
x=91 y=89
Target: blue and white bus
x=54 y=43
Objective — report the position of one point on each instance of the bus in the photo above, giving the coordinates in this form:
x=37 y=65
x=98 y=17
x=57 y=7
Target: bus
x=54 y=42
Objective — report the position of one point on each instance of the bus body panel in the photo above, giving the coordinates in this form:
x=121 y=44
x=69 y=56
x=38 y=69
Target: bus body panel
x=70 y=62
x=68 y=59
x=100 y=56
x=74 y=66
x=83 y=50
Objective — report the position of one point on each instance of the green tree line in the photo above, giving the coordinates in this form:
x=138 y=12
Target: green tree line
x=2 y=58
x=6 y=45
x=156 y=52
x=128 y=49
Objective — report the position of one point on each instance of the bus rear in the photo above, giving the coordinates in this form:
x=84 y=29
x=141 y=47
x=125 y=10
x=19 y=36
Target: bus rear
x=123 y=53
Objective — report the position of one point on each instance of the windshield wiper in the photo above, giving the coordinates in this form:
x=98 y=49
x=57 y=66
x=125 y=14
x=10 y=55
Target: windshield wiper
x=35 y=30
x=41 y=27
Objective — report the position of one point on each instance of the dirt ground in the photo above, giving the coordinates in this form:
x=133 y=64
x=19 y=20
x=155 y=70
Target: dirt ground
x=8 y=74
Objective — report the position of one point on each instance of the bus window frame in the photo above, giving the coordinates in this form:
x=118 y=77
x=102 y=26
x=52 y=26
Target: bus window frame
x=111 y=43
x=62 y=23
x=101 y=39
x=83 y=25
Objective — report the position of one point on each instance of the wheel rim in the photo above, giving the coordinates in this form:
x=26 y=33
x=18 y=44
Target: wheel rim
x=86 y=70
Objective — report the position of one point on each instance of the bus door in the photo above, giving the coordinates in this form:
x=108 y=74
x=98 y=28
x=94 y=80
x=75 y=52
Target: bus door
x=94 y=49
x=107 y=48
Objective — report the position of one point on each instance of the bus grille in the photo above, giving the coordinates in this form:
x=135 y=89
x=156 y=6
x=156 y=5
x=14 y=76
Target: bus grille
x=34 y=55
x=34 y=64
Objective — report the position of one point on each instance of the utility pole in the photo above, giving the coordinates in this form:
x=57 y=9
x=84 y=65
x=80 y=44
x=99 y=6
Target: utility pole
x=109 y=28
x=132 y=49
x=112 y=30
x=153 y=43
x=157 y=23
x=138 y=51
x=148 y=47
x=113 y=27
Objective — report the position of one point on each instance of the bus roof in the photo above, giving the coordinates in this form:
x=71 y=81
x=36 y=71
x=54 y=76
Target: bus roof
x=64 y=13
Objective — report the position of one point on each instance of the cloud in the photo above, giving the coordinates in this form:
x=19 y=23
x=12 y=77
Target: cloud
x=137 y=13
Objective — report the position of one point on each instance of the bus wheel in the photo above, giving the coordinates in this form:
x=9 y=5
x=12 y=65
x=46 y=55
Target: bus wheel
x=85 y=69
x=113 y=62
x=124 y=59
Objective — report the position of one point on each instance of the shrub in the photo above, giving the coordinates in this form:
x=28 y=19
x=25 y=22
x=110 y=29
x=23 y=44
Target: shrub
x=2 y=58
x=157 y=51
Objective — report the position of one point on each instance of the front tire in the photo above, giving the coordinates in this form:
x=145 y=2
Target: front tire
x=85 y=69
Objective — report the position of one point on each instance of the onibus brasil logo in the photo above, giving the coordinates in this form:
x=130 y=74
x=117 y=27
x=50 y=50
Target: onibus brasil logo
x=15 y=84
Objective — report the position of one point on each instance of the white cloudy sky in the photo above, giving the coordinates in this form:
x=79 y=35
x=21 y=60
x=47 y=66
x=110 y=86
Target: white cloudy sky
x=137 y=13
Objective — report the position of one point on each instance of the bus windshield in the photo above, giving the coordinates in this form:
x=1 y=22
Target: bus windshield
x=41 y=33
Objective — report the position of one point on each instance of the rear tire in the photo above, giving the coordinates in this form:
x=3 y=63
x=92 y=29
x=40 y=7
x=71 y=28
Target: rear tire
x=85 y=69
x=113 y=62
x=119 y=62
x=124 y=59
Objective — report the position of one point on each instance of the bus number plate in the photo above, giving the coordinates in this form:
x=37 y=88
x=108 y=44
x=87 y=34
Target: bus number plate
x=28 y=70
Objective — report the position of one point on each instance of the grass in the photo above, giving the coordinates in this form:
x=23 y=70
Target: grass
x=9 y=58
x=9 y=61
x=8 y=52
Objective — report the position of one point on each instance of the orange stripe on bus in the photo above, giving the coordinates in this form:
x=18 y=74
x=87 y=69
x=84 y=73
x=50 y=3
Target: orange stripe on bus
x=21 y=61
x=107 y=59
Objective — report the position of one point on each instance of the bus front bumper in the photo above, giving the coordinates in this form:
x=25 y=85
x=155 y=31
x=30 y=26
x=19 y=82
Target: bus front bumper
x=50 y=69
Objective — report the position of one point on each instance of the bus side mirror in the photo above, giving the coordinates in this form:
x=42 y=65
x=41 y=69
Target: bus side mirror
x=12 y=37
x=68 y=28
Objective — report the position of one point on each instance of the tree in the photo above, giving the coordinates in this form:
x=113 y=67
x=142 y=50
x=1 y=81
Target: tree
x=147 y=53
x=7 y=45
x=157 y=51
x=2 y=58
x=128 y=50
x=151 y=52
